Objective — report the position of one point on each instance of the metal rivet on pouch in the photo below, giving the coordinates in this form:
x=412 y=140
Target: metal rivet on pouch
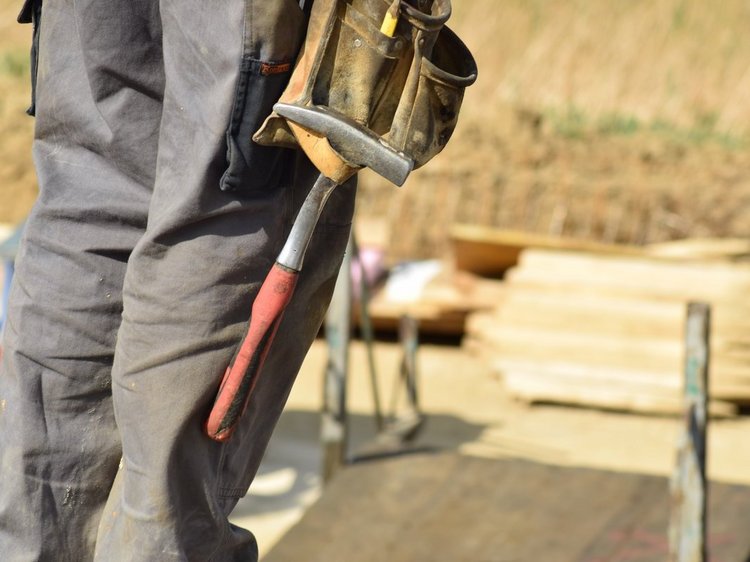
x=358 y=42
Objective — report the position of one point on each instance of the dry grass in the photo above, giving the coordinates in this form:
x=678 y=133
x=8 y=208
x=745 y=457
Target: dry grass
x=595 y=119
x=676 y=61
x=17 y=178
x=619 y=121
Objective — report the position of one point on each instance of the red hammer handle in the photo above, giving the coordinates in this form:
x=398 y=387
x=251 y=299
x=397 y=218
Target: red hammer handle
x=242 y=374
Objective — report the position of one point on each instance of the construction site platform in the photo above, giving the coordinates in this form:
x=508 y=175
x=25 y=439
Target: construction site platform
x=460 y=508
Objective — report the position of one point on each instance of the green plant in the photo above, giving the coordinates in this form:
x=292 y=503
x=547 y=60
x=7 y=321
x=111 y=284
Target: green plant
x=703 y=131
x=618 y=124
x=571 y=123
x=679 y=16
x=14 y=63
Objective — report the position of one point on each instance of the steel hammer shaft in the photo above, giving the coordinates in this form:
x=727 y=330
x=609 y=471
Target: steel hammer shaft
x=268 y=308
x=355 y=147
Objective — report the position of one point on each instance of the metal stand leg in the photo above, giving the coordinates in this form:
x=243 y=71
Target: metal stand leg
x=402 y=425
x=334 y=434
x=368 y=334
x=405 y=425
x=687 y=529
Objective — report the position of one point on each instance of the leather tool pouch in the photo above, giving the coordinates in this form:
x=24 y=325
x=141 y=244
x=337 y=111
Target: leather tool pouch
x=407 y=88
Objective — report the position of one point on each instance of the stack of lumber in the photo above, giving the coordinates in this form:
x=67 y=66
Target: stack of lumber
x=607 y=330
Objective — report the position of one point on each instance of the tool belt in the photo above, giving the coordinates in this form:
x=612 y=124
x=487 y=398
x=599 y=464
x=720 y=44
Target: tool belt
x=406 y=88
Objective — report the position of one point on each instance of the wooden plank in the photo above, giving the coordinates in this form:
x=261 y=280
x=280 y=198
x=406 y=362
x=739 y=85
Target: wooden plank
x=583 y=312
x=611 y=316
x=517 y=342
x=596 y=345
x=491 y=251
x=630 y=275
x=556 y=385
x=449 y=507
x=570 y=374
x=724 y=249
x=616 y=317
x=581 y=304
x=573 y=373
x=540 y=387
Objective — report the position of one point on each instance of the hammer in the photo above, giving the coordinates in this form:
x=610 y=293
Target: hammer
x=354 y=147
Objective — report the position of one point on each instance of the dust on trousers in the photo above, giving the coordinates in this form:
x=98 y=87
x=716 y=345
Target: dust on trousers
x=157 y=220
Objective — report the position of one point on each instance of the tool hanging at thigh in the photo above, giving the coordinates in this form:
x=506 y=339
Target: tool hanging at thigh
x=391 y=66
x=377 y=84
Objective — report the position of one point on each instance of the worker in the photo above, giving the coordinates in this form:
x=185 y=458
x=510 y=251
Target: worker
x=156 y=222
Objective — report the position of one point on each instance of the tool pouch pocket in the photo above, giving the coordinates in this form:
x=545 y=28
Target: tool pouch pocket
x=406 y=88
x=359 y=65
x=424 y=128
x=31 y=12
x=251 y=166
x=348 y=65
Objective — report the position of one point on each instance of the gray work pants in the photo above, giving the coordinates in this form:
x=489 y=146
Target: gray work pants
x=156 y=222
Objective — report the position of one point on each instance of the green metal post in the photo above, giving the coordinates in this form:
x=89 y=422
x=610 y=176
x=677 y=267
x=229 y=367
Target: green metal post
x=338 y=335
x=687 y=530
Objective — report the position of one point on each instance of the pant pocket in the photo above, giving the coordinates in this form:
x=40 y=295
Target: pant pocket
x=31 y=12
x=251 y=167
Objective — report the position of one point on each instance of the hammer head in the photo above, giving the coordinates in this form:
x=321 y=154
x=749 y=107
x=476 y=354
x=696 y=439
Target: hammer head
x=356 y=144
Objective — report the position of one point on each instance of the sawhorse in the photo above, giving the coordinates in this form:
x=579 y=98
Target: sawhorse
x=395 y=430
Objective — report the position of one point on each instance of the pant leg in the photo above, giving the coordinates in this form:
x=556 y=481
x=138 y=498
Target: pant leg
x=98 y=106
x=191 y=280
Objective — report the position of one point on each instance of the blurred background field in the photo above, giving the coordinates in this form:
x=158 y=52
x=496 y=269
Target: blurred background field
x=16 y=128
x=614 y=121
x=598 y=120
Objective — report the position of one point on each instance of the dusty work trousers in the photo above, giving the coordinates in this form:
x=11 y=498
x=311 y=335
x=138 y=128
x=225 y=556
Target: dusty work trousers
x=156 y=222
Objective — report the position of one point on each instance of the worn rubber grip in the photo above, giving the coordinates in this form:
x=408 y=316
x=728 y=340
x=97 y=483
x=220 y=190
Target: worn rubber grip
x=242 y=374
